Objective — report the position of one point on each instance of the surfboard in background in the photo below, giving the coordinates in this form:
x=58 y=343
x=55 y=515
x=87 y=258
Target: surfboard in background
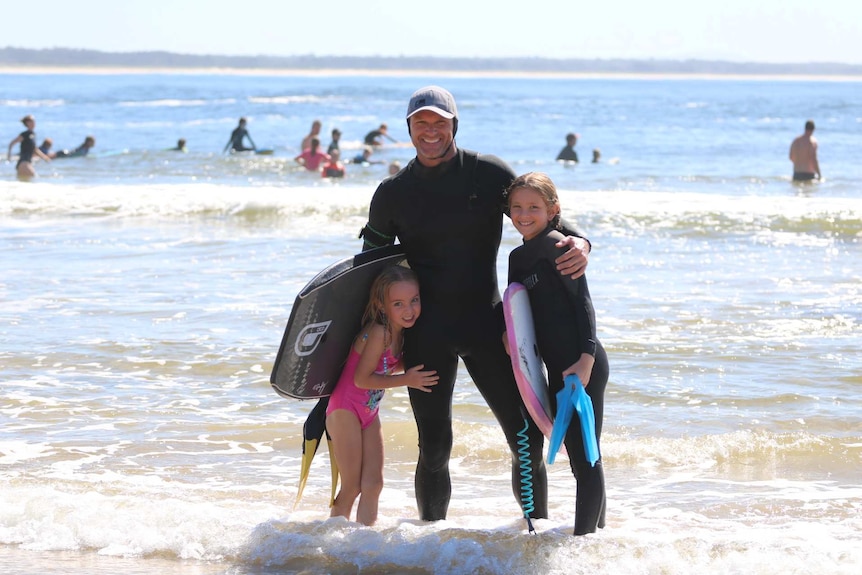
x=256 y=151
x=326 y=316
x=526 y=360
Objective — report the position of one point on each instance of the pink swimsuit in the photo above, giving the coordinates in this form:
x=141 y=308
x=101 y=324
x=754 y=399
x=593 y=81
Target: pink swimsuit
x=363 y=402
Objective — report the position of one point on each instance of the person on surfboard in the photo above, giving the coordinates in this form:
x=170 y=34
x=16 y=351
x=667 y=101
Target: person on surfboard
x=565 y=325
x=79 y=152
x=375 y=137
x=237 y=139
x=364 y=157
x=374 y=365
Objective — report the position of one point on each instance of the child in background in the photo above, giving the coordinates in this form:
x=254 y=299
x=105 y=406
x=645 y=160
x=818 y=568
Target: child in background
x=333 y=168
x=352 y=418
x=46 y=146
x=565 y=324
x=78 y=152
x=334 y=144
x=364 y=157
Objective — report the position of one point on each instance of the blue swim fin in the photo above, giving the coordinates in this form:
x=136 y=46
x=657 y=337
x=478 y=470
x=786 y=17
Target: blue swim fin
x=584 y=406
x=561 y=420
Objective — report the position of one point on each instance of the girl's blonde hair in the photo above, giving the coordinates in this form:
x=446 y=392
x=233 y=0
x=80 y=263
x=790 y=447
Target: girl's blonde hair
x=375 y=310
x=541 y=183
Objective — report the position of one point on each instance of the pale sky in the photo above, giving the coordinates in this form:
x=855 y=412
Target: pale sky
x=775 y=31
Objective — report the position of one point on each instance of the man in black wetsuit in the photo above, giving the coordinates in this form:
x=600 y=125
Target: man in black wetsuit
x=446 y=210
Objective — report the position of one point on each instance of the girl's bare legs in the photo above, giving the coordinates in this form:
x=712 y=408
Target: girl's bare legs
x=372 y=473
x=26 y=171
x=347 y=446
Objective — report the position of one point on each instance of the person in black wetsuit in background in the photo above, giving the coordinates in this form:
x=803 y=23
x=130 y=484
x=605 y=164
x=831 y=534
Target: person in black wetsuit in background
x=374 y=137
x=27 y=139
x=237 y=137
x=446 y=209
x=568 y=153
x=565 y=323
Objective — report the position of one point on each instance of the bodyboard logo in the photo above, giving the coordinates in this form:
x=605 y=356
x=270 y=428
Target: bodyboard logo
x=320 y=387
x=310 y=337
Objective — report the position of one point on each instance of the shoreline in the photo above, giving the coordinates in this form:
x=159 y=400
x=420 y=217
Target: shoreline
x=367 y=72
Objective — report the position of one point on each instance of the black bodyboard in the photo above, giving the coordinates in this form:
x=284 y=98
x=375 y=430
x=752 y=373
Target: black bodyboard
x=326 y=316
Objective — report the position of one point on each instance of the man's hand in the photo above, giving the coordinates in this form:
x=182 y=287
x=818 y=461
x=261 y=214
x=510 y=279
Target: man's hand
x=574 y=262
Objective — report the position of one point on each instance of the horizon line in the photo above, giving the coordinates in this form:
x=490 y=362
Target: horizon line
x=847 y=67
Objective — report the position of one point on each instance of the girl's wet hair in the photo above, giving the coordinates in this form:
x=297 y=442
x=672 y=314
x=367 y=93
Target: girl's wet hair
x=541 y=183
x=375 y=310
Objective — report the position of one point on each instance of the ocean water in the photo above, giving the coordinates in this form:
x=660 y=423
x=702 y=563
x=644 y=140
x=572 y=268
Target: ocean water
x=143 y=295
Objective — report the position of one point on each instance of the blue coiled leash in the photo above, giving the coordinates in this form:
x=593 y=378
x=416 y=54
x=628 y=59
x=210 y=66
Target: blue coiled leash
x=526 y=472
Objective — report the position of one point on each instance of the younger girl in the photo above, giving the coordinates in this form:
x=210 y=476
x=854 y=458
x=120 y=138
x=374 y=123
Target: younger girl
x=351 y=418
x=565 y=325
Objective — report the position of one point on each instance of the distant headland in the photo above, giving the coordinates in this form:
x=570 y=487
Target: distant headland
x=62 y=58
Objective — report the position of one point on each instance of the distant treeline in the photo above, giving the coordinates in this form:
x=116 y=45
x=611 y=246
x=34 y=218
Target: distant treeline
x=67 y=57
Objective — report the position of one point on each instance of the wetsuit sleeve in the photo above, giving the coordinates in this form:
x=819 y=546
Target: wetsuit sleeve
x=514 y=273
x=570 y=229
x=578 y=294
x=381 y=229
x=491 y=179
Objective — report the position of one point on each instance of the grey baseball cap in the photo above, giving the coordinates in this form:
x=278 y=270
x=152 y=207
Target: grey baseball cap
x=435 y=99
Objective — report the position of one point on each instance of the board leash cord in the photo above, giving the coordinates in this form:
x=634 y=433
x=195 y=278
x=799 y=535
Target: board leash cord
x=526 y=474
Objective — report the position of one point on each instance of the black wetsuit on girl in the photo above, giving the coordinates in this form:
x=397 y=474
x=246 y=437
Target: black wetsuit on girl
x=449 y=220
x=565 y=328
x=28 y=147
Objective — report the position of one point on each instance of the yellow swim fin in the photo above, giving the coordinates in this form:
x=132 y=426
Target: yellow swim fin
x=312 y=433
x=333 y=465
x=309 y=449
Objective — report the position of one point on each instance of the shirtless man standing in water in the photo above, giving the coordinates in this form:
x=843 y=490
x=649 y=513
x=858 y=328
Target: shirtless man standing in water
x=803 y=154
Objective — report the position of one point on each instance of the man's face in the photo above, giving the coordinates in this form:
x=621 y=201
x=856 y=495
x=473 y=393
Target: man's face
x=433 y=137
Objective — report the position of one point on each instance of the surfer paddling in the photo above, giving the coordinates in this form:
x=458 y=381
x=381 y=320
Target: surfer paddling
x=565 y=324
x=373 y=365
